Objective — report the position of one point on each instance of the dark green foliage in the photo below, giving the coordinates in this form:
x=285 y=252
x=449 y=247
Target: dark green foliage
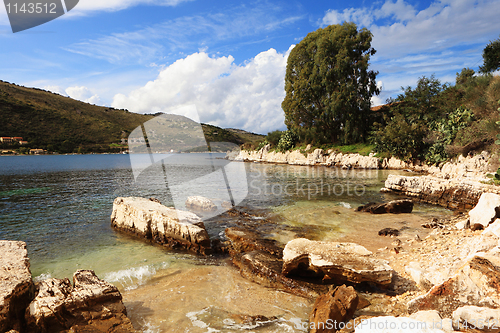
x=328 y=85
x=274 y=137
x=406 y=133
x=491 y=57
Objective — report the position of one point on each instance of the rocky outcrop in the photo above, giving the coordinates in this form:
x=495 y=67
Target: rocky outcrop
x=167 y=226
x=260 y=260
x=316 y=157
x=459 y=194
x=470 y=167
x=486 y=210
x=200 y=203
x=334 y=262
x=16 y=286
x=337 y=306
x=392 y=207
x=476 y=283
x=91 y=305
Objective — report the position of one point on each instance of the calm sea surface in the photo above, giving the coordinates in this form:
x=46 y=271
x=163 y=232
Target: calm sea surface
x=60 y=205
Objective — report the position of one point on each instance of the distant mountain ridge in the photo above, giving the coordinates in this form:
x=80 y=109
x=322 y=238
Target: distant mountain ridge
x=51 y=121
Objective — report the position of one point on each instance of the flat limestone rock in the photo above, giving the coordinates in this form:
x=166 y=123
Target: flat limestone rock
x=200 y=203
x=334 y=262
x=168 y=226
x=454 y=193
x=16 y=286
x=91 y=305
x=476 y=283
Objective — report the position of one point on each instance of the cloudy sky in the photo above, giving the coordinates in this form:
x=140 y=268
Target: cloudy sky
x=229 y=58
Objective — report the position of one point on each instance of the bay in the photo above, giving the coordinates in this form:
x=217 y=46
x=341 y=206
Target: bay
x=60 y=205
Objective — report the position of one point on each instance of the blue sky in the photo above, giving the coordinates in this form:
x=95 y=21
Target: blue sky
x=229 y=58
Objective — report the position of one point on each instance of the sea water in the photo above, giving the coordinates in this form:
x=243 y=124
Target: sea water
x=60 y=205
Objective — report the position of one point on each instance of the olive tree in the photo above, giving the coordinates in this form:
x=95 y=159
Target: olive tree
x=328 y=85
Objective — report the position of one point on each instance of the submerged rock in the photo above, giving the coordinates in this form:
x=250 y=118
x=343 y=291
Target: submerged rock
x=392 y=207
x=334 y=262
x=388 y=232
x=167 y=226
x=91 y=305
x=476 y=283
x=16 y=286
x=200 y=203
x=335 y=307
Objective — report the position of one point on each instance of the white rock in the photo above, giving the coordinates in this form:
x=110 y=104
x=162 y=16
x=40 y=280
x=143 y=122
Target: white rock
x=336 y=261
x=493 y=229
x=481 y=317
x=485 y=211
x=16 y=286
x=465 y=224
x=163 y=224
x=391 y=324
x=417 y=274
x=200 y=203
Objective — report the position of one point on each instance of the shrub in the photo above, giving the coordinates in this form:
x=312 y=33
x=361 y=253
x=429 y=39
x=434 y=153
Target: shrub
x=274 y=137
x=287 y=141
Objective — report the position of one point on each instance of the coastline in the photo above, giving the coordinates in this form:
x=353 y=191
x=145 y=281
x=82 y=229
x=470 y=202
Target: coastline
x=420 y=259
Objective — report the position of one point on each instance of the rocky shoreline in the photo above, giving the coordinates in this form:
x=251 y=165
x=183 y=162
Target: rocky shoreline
x=448 y=280
x=56 y=305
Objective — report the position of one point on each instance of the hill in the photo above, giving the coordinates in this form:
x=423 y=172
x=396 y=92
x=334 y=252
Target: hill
x=61 y=124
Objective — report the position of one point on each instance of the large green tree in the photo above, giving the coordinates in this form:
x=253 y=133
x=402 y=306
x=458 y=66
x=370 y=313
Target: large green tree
x=491 y=57
x=328 y=85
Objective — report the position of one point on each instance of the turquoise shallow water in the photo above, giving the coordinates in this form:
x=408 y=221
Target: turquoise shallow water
x=60 y=205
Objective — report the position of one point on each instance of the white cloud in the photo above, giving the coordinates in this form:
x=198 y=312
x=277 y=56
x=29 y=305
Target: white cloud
x=244 y=96
x=186 y=34
x=443 y=38
x=83 y=94
x=360 y=16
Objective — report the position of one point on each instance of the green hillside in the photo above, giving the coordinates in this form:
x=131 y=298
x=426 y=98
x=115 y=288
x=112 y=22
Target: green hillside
x=61 y=124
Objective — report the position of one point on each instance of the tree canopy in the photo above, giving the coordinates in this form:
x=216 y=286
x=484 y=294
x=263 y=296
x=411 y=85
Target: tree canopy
x=328 y=85
x=491 y=57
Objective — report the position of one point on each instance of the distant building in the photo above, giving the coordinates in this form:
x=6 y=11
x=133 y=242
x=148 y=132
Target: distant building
x=37 y=151
x=23 y=143
x=8 y=139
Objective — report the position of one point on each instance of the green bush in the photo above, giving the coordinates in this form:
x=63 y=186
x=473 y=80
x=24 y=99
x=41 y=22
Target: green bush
x=274 y=137
x=287 y=141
